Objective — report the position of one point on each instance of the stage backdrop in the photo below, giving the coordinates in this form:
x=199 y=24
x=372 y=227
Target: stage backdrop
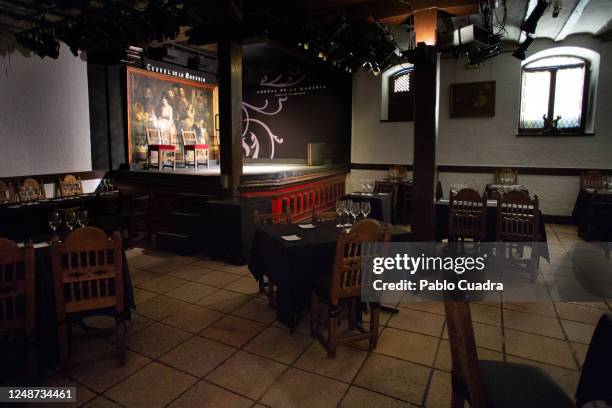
x=170 y=104
x=285 y=109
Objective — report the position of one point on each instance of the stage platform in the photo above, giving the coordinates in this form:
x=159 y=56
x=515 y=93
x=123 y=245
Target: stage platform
x=189 y=208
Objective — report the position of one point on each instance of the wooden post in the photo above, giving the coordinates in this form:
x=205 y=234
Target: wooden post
x=230 y=114
x=426 y=72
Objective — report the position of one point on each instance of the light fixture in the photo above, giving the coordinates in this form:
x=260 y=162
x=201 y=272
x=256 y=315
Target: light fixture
x=320 y=55
x=530 y=24
x=305 y=45
x=522 y=48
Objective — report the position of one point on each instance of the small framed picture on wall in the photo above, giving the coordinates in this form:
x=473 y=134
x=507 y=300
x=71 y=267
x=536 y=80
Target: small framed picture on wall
x=472 y=100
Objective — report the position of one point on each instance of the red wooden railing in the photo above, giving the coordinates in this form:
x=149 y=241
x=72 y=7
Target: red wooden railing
x=302 y=198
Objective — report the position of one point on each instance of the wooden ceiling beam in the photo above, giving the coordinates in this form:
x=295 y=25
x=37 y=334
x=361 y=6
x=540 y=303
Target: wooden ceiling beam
x=572 y=20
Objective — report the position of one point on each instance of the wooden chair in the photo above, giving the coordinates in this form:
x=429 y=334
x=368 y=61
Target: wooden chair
x=136 y=218
x=506 y=176
x=70 y=186
x=17 y=297
x=485 y=384
x=155 y=143
x=31 y=190
x=7 y=194
x=341 y=293
x=518 y=220
x=593 y=179
x=266 y=286
x=275 y=218
x=88 y=278
x=325 y=216
x=518 y=217
x=190 y=144
x=467 y=216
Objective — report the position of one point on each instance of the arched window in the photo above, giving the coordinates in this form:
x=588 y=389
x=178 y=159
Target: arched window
x=401 y=96
x=554 y=95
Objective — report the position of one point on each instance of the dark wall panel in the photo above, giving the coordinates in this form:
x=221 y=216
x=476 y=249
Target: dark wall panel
x=98 y=118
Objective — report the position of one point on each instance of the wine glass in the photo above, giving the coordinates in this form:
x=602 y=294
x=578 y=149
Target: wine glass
x=70 y=219
x=370 y=184
x=340 y=207
x=366 y=208
x=362 y=183
x=83 y=218
x=355 y=210
x=54 y=220
x=347 y=210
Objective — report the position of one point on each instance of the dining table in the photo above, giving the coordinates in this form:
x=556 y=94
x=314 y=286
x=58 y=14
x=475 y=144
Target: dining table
x=493 y=189
x=442 y=220
x=381 y=204
x=581 y=207
x=297 y=256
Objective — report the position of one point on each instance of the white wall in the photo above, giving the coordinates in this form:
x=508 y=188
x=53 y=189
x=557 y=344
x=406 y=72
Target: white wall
x=490 y=141
x=44 y=115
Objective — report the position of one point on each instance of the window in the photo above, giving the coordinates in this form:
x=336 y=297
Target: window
x=401 y=96
x=554 y=95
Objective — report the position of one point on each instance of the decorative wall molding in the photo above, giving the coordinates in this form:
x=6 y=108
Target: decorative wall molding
x=54 y=177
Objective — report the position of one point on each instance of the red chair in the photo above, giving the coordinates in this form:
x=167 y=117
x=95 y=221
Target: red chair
x=155 y=143
x=190 y=144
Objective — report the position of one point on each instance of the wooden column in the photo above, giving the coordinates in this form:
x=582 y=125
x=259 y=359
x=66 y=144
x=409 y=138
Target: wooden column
x=230 y=114
x=426 y=84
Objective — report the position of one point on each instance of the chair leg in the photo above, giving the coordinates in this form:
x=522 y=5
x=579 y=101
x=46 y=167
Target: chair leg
x=120 y=334
x=314 y=314
x=332 y=332
x=374 y=320
x=62 y=340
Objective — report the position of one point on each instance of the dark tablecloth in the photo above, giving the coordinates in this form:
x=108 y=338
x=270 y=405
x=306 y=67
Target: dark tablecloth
x=580 y=212
x=24 y=221
x=381 y=204
x=442 y=224
x=295 y=266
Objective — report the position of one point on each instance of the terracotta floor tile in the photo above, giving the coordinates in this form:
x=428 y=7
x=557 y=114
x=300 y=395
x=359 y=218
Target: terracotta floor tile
x=359 y=398
x=102 y=374
x=539 y=348
x=393 y=377
x=297 y=388
x=224 y=301
x=416 y=321
x=279 y=345
x=154 y=386
x=344 y=367
x=247 y=374
x=578 y=332
x=193 y=318
x=218 y=279
x=232 y=330
x=197 y=356
x=206 y=395
x=440 y=391
x=579 y=313
x=408 y=346
x=161 y=284
x=257 y=309
x=247 y=285
x=156 y=340
x=528 y=322
x=191 y=292
x=160 y=307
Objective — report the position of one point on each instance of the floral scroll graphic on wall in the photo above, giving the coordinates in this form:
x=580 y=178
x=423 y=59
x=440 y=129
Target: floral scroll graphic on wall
x=253 y=127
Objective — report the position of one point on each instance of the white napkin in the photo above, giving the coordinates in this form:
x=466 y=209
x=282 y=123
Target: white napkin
x=291 y=237
x=306 y=226
x=36 y=245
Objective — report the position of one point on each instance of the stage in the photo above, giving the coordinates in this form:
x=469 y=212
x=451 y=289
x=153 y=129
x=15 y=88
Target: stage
x=186 y=204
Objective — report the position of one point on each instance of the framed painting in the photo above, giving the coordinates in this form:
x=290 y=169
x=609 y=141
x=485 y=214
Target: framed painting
x=170 y=105
x=472 y=100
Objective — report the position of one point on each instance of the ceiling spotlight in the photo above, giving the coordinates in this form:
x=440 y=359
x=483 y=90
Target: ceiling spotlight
x=556 y=11
x=305 y=45
x=320 y=55
x=530 y=24
x=522 y=48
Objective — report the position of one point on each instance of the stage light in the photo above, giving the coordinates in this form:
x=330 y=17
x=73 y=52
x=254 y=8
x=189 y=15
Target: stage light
x=522 y=48
x=530 y=24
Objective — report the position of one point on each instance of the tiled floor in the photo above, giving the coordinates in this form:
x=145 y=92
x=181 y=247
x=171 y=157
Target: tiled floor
x=202 y=336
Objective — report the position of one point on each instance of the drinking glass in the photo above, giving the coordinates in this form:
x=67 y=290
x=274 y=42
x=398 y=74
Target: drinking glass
x=54 y=221
x=370 y=184
x=355 y=210
x=363 y=185
x=340 y=207
x=83 y=218
x=70 y=219
x=366 y=208
x=347 y=210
